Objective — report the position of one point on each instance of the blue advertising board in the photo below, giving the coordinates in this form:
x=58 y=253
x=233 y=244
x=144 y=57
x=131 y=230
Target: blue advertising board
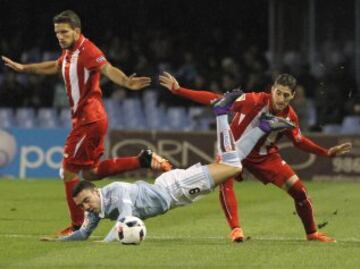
x=31 y=153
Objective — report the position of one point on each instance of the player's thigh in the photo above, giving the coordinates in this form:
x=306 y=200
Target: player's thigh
x=221 y=172
x=186 y=185
x=84 y=146
x=271 y=170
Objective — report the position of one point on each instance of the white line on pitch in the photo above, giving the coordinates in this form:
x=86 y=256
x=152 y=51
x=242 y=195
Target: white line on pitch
x=165 y=237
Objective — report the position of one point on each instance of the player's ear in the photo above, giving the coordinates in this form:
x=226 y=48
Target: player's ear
x=78 y=30
x=293 y=95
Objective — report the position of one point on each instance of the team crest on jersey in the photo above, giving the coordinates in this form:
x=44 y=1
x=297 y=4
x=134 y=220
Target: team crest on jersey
x=100 y=59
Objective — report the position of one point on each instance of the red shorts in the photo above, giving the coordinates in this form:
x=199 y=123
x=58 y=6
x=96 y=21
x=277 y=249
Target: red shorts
x=84 y=146
x=271 y=169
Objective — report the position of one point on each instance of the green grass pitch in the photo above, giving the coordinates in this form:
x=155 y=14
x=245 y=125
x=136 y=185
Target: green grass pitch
x=188 y=237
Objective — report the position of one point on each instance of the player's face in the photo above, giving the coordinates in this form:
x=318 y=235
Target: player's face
x=89 y=200
x=281 y=97
x=66 y=35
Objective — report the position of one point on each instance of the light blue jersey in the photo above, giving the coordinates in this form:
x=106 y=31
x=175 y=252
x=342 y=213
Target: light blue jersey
x=120 y=199
x=174 y=188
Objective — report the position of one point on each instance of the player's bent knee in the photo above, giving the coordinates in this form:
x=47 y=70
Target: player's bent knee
x=290 y=182
x=67 y=175
x=234 y=170
x=237 y=170
x=298 y=192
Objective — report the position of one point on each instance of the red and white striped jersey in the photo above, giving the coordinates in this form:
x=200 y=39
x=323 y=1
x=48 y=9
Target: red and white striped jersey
x=80 y=68
x=249 y=108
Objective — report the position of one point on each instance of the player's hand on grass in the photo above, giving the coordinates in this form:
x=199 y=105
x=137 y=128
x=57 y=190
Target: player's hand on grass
x=49 y=238
x=137 y=83
x=13 y=65
x=339 y=149
x=169 y=82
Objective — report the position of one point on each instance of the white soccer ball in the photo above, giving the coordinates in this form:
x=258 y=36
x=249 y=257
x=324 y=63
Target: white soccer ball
x=131 y=230
x=7 y=148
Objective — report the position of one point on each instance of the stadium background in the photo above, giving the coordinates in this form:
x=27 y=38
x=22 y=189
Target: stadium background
x=207 y=45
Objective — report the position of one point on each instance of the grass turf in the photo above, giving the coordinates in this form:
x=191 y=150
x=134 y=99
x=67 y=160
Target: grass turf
x=188 y=237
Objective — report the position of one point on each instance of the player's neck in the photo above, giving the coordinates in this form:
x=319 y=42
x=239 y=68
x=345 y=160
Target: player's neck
x=77 y=41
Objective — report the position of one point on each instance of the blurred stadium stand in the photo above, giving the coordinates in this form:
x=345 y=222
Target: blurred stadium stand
x=351 y=125
x=25 y=117
x=325 y=61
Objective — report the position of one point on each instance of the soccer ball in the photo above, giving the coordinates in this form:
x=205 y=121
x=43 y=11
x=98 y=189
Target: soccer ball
x=131 y=230
x=7 y=148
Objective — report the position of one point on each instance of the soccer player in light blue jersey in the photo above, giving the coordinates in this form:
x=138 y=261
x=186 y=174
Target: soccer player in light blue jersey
x=174 y=188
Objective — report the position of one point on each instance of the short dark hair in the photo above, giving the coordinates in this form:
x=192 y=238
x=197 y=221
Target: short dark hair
x=82 y=185
x=286 y=80
x=68 y=16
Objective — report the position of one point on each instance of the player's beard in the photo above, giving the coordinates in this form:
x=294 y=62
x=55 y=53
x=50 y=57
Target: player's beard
x=280 y=107
x=70 y=45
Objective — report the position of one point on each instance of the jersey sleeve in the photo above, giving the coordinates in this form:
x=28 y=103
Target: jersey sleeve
x=94 y=58
x=202 y=97
x=90 y=223
x=248 y=100
x=124 y=206
x=60 y=59
x=302 y=142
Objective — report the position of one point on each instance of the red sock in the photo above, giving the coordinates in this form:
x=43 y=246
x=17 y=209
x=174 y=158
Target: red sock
x=76 y=213
x=116 y=166
x=303 y=206
x=229 y=203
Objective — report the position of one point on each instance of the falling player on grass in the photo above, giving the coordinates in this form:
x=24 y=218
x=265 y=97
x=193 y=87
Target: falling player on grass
x=175 y=188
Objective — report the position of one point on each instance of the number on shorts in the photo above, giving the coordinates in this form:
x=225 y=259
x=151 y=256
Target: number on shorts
x=194 y=191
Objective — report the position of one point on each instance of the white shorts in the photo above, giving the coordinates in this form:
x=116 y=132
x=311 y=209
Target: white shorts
x=186 y=185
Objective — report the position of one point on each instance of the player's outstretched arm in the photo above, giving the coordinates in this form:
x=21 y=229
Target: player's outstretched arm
x=43 y=68
x=308 y=145
x=118 y=77
x=111 y=236
x=169 y=82
x=339 y=149
x=202 y=97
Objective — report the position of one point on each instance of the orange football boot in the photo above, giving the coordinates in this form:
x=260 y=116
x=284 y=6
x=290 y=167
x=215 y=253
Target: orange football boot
x=320 y=237
x=237 y=235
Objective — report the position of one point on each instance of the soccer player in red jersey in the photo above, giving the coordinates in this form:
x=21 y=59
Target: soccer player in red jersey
x=81 y=64
x=264 y=161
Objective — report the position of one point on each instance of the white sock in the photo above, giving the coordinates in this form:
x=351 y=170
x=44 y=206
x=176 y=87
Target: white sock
x=247 y=142
x=226 y=143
